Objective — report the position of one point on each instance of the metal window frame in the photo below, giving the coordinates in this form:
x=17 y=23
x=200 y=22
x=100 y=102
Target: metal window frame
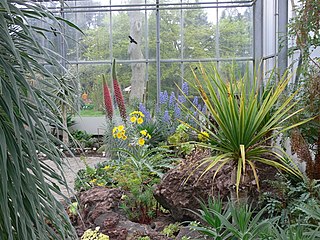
x=281 y=15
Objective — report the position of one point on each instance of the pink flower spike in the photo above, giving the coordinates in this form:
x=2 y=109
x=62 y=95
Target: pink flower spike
x=118 y=93
x=107 y=99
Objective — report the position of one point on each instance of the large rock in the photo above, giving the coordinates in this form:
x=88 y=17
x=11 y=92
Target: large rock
x=99 y=207
x=179 y=197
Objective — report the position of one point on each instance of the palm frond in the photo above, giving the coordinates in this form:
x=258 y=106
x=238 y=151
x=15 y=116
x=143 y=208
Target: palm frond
x=28 y=210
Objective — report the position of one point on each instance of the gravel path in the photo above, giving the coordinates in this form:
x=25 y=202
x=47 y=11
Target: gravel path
x=73 y=165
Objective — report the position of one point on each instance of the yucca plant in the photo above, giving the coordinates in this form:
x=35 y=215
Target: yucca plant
x=241 y=119
x=28 y=210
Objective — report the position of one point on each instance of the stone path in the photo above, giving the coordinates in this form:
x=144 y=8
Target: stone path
x=73 y=165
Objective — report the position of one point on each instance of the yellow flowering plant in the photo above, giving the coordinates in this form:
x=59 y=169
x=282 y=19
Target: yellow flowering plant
x=203 y=136
x=94 y=176
x=133 y=141
x=94 y=234
x=131 y=133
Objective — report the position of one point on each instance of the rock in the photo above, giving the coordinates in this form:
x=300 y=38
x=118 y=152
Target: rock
x=99 y=207
x=189 y=233
x=178 y=197
x=159 y=223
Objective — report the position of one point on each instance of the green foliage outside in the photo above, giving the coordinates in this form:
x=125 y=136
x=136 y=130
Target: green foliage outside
x=235 y=40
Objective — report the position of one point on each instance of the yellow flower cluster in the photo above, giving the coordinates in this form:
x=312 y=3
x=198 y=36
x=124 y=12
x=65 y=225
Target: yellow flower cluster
x=145 y=135
x=136 y=117
x=93 y=181
x=141 y=141
x=94 y=234
x=119 y=132
x=203 y=136
x=106 y=168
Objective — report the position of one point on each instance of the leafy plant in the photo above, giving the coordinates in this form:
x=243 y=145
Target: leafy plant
x=171 y=230
x=135 y=149
x=239 y=124
x=236 y=221
x=139 y=203
x=304 y=28
x=136 y=174
x=73 y=208
x=144 y=238
x=288 y=199
x=28 y=210
x=180 y=140
x=81 y=138
x=98 y=176
x=294 y=232
x=207 y=213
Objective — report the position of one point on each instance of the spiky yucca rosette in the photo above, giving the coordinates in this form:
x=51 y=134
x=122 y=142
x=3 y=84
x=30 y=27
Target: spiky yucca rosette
x=118 y=93
x=107 y=99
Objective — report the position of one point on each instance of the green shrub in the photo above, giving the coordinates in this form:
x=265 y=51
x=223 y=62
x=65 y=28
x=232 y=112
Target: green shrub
x=82 y=138
x=289 y=198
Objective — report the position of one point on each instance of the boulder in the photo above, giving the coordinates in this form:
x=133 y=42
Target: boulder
x=99 y=207
x=178 y=195
x=181 y=188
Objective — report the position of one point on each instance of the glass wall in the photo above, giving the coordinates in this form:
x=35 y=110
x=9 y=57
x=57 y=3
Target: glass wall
x=155 y=43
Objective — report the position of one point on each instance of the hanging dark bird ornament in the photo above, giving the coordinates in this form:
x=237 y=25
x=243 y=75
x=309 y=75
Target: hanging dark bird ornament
x=132 y=40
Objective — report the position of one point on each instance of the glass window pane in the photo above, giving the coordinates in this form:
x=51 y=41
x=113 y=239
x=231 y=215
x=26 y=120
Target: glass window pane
x=235 y=32
x=120 y=32
x=239 y=68
x=170 y=34
x=151 y=88
x=170 y=76
x=90 y=78
x=94 y=43
x=152 y=33
x=198 y=35
x=269 y=28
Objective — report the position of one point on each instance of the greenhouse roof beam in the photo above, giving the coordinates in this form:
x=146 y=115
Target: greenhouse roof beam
x=152 y=7
x=166 y=60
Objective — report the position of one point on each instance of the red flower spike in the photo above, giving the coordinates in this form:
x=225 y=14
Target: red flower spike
x=118 y=93
x=107 y=99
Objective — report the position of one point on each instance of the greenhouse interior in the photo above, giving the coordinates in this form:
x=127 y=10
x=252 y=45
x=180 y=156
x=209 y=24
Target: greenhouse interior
x=160 y=119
